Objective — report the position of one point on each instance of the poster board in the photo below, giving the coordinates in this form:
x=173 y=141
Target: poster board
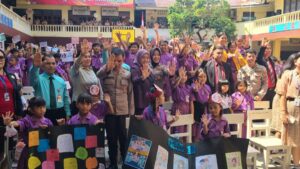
x=170 y=153
x=66 y=56
x=124 y=33
x=68 y=147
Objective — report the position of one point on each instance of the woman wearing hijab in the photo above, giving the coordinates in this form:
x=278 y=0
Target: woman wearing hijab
x=142 y=79
x=161 y=73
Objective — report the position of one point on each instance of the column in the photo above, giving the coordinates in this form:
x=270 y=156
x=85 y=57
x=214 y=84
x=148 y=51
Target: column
x=277 y=48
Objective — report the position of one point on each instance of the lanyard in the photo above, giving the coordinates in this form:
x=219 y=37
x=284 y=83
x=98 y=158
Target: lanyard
x=3 y=82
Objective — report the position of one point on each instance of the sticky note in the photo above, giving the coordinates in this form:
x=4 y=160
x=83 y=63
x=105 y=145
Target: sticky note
x=43 y=145
x=91 y=163
x=65 y=143
x=79 y=133
x=33 y=138
x=48 y=165
x=52 y=155
x=91 y=142
x=33 y=162
x=81 y=153
x=99 y=152
x=70 y=163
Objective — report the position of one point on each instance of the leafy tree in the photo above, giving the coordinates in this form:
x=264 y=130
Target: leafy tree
x=192 y=16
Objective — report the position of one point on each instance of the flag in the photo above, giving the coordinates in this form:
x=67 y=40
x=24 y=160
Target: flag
x=142 y=22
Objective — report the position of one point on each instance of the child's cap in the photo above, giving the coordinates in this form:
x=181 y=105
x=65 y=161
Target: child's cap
x=154 y=92
x=223 y=82
x=216 y=98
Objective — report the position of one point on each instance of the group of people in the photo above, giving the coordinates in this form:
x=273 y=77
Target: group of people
x=107 y=83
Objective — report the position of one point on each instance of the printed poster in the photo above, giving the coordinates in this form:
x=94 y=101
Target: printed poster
x=180 y=162
x=206 y=162
x=162 y=156
x=233 y=160
x=138 y=152
x=66 y=56
x=67 y=147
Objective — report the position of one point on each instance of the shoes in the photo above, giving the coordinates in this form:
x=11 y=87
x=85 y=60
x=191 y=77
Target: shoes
x=113 y=167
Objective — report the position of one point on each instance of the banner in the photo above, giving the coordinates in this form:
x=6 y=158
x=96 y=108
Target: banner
x=117 y=3
x=44 y=44
x=145 y=150
x=154 y=3
x=75 y=40
x=2 y=45
x=109 y=11
x=6 y=20
x=16 y=39
x=66 y=56
x=124 y=34
x=81 y=10
x=68 y=147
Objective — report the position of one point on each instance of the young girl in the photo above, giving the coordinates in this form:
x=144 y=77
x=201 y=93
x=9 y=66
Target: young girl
x=34 y=119
x=226 y=101
x=155 y=112
x=14 y=68
x=213 y=124
x=183 y=98
x=202 y=93
x=242 y=101
x=84 y=116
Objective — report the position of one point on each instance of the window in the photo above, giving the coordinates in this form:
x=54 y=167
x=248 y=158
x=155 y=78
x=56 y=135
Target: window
x=291 y=5
x=248 y=16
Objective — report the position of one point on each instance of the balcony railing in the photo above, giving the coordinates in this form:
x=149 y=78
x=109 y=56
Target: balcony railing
x=76 y=28
x=278 y=19
x=19 y=23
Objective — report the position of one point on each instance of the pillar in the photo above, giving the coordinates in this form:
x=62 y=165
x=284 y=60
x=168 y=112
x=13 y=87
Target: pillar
x=65 y=15
x=277 y=48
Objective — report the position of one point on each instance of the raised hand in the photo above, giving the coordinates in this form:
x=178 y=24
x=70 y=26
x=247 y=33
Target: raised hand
x=110 y=63
x=8 y=117
x=172 y=68
x=37 y=59
x=156 y=27
x=265 y=42
x=205 y=120
x=145 y=71
x=106 y=44
x=106 y=98
x=197 y=85
x=182 y=72
x=143 y=28
x=119 y=35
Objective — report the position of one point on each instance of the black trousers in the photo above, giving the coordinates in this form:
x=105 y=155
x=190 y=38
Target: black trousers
x=116 y=131
x=55 y=114
x=269 y=97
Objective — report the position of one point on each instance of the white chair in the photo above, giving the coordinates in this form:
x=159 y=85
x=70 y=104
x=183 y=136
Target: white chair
x=261 y=105
x=269 y=144
x=27 y=92
x=238 y=119
x=184 y=120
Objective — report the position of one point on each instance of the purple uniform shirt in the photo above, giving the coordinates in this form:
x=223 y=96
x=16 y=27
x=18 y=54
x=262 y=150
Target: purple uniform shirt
x=189 y=62
x=215 y=128
x=61 y=72
x=89 y=119
x=130 y=58
x=97 y=61
x=247 y=102
x=166 y=59
x=30 y=122
x=158 y=118
x=203 y=94
x=182 y=96
x=16 y=70
x=99 y=109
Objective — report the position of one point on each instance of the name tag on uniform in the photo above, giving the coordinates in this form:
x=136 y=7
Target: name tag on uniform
x=59 y=99
x=187 y=98
x=6 y=97
x=297 y=101
x=101 y=60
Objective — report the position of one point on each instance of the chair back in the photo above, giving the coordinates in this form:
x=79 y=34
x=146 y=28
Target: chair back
x=265 y=115
x=237 y=119
x=184 y=120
